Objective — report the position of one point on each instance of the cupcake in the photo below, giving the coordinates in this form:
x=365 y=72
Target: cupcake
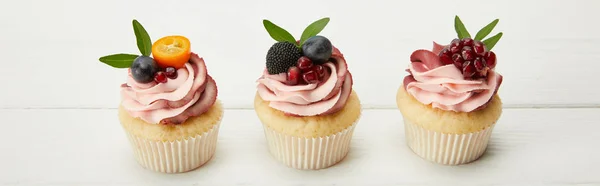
x=169 y=106
x=449 y=101
x=305 y=99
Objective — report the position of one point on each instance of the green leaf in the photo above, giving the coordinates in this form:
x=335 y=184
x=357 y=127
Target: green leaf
x=119 y=60
x=486 y=30
x=278 y=33
x=143 y=39
x=313 y=29
x=460 y=28
x=490 y=42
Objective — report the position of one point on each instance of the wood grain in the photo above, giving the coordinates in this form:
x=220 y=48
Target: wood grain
x=88 y=147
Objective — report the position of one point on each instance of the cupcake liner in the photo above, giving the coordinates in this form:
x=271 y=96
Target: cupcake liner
x=175 y=156
x=447 y=149
x=309 y=153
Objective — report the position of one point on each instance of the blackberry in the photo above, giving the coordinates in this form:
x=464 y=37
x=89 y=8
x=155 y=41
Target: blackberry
x=282 y=56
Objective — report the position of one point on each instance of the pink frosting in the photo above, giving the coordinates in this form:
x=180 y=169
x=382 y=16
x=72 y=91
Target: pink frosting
x=326 y=97
x=444 y=87
x=190 y=94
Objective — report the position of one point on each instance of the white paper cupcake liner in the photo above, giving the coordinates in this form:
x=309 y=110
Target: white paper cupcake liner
x=447 y=149
x=309 y=153
x=175 y=156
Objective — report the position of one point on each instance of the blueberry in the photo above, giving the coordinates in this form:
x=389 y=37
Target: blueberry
x=318 y=49
x=143 y=69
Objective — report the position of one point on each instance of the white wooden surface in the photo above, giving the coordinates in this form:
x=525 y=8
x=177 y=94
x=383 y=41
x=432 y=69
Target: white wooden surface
x=60 y=125
x=549 y=53
x=88 y=147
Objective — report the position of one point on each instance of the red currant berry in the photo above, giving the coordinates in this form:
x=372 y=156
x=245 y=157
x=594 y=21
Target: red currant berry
x=455 y=46
x=490 y=58
x=293 y=75
x=304 y=63
x=467 y=42
x=479 y=48
x=310 y=77
x=467 y=53
x=468 y=69
x=160 y=77
x=171 y=72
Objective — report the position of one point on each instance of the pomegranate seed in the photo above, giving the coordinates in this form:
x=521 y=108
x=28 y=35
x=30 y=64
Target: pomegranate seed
x=467 y=42
x=479 y=64
x=458 y=60
x=468 y=69
x=293 y=75
x=160 y=77
x=479 y=48
x=467 y=53
x=171 y=72
x=455 y=46
x=310 y=77
x=320 y=70
x=445 y=56
x=446 y=60
x=304 y=63
x=490 y=58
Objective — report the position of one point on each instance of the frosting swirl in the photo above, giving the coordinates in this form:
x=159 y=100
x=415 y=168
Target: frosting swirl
x=192 y=93
x=444 y=87
x=326 y=97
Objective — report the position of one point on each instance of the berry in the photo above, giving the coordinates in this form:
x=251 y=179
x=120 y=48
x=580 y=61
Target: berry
x=318 y=49
x=478 y=48
x=468 y=69
x=490 y=58
x=320 y=70
x=293 y=75
x=171 y=72
x=160 y=77
x=304 y=63
x=143 y=69
x=467 y=53
x=446 y=57
x=281 y=56
x=310 y=77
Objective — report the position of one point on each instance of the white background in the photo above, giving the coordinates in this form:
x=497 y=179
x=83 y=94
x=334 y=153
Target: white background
x=58 y=101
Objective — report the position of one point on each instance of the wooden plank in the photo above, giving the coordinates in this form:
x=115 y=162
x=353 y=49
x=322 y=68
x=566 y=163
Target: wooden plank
x=88 y=147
